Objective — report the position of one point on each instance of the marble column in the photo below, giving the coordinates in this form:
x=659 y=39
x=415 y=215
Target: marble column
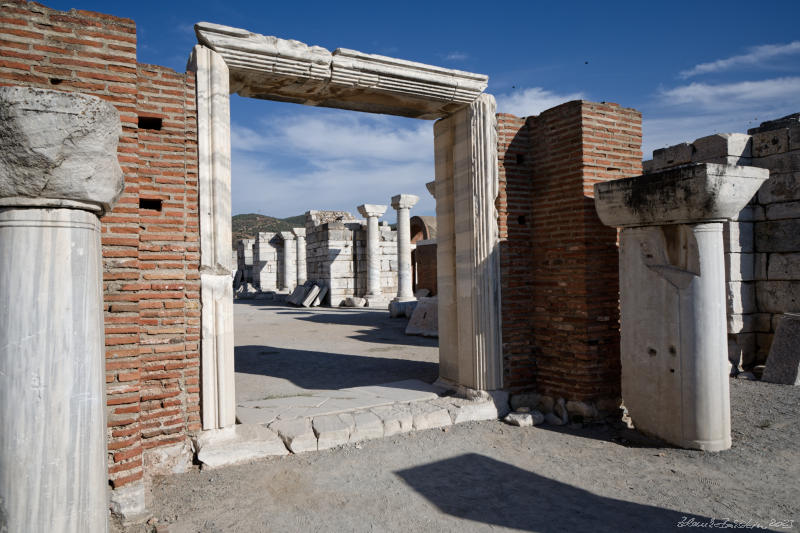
x=403 y=204
x=372 y=213
x=300 y=239
x=289 y=265
x=674 y=350
x=58 y=174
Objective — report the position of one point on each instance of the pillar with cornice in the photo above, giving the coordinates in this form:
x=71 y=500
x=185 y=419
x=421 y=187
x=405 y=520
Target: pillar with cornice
x=58 y=174
x=289 y=264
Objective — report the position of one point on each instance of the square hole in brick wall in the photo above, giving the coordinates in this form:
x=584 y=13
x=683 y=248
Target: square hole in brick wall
x=149 y=123
x=154 y=204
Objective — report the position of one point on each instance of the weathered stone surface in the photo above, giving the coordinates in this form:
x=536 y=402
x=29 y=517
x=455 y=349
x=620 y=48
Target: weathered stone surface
x=583 y=409
x=296 y=434
x=323 y=291
x=399 y=309
x=297 y=296
x=368 y=426
x=777 y=296
x=311 y=296
x=738 y=237
x=396 y=418
x=264 y=66
x=783 y=267
x=519 y=419
x=783 y=210
x=333 y=430
x=740 y=267
x=553 y=419
x=525 y=399
x=238 y=444
x=741 y=297
x=428 y=416
x=771 y=142
x=128 y=502
x=354 y=301
x=694 y=193
x=60 y=147
x=425 y=318
x=778 y=236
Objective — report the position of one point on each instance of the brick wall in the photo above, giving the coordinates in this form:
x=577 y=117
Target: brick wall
x=150 y=257
x=559 y=263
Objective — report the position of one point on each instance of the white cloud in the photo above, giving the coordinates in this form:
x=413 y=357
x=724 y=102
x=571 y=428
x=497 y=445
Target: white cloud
x=456 y=56
x=755 y=56
x=533 y=101
x=330 y=160
x=734 y=95
x=688 y=112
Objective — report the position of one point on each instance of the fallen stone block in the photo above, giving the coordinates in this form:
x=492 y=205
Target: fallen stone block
x=783 y=362
x=464 y=410
x=297 y=296
x=323 y=291
x=310 y=296
x=354 y=301
x=396 y=419
x=368 y=426
x=519 y=419
x=296 y=434
x=333 y=430
x=239 y=444
x=425 y=318
x=402 y=309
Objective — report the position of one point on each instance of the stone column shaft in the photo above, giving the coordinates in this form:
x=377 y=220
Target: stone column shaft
x=372 y=213
x=53 y=473
x=300 y=237
x=289 y=268
x=403 y=204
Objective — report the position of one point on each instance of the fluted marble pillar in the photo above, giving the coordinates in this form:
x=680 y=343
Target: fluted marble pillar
x=58 y=174
x=289 y=265
x=300 y=239
x=403 y=204
x=372 y=213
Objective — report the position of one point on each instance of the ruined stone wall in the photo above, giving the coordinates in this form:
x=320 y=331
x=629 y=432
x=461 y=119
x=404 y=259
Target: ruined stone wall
x=559 y=264
x=762 y=249
x=150 y=239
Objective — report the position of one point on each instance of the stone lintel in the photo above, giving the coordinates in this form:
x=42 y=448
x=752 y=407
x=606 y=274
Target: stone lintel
x=299 y=232
x=372 y=210
x=695 y=193
x=404 y=201
x=286 y=70
x=59 y=150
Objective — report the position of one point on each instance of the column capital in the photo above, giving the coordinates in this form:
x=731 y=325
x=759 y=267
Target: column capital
x=299 y=232
x=60 y=150
x=404 y=201
x=287 y=235
x=431 y=186
x=372 y=210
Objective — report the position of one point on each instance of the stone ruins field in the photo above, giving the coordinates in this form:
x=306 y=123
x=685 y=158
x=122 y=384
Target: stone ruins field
x=488 y=476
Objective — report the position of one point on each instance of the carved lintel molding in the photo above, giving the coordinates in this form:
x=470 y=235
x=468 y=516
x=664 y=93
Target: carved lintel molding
x=267 y=67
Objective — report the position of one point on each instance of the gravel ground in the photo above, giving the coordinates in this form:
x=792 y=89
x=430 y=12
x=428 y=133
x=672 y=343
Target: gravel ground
x=488 y=476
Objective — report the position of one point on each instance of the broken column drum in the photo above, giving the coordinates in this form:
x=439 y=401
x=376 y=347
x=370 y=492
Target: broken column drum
x=372 y=213
x=58 y=174
x=403 y=203
x=300 y=239
x=672 y=297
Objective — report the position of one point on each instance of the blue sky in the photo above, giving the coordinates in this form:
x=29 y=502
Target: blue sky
x=692 y=69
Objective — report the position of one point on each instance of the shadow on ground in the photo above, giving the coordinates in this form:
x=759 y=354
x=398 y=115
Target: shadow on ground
x=326 y=370
x=479 y=488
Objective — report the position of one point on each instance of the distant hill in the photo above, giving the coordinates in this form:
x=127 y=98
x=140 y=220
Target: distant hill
x=247 y=226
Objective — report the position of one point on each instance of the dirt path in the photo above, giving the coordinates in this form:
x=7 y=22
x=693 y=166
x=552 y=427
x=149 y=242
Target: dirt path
x=488 y=476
